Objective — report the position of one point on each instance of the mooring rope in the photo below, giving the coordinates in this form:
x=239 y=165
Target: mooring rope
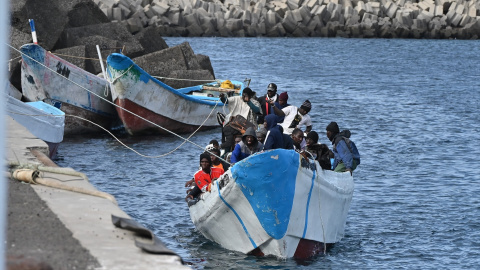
x=110 y=102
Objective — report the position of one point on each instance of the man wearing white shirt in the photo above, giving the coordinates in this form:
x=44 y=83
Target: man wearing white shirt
x=297 y=117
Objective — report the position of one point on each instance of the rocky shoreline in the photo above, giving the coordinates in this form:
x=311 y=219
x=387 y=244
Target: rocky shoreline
x=433 y=19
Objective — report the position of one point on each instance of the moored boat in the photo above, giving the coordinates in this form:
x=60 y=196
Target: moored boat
x=275 y=203
x=42 y=120
x=177 y=110
x=49 y=78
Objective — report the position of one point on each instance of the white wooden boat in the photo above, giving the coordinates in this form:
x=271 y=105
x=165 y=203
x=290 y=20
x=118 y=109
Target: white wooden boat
x=275 y=203
x=42 y=120
x=63 y=85
x=178 y=110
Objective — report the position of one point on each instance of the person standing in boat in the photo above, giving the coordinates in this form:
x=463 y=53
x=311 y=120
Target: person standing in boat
x=204 y=177
x=274 y=139
x=296 y=117
x=246 y=106
x=347 y=157
x=248 y=146
x=268 y=102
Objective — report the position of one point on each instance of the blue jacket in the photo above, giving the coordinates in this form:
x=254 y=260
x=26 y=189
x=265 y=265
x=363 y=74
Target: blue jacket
x=345 y=150
x=241 y=150
x=274 y=136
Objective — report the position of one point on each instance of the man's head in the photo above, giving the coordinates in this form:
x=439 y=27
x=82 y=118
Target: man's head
x=283 y=98
x=247 y=94
x=238 y=139
x=297 y=136
x=261 y=134
x=312 y=138
x=271 y=90
x=215 y=157
x=270 y=121
x=305 y=108
x=215 y=143
x=250 y=137
x=332 y=130
x=205 y=161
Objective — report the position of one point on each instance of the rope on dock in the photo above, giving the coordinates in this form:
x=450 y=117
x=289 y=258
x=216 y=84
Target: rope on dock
x=110 y=102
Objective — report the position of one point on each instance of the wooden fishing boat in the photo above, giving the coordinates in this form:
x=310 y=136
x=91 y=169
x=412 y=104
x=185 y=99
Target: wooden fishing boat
x=42 y=120
x=179 y=110
x=275 y=203
x=49 y=78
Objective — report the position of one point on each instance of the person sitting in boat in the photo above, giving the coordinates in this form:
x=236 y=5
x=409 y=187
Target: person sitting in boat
x=298 y=140
x=217 y=162
x=296 y=117
x=204 y=177
x=261 y=134
x=215 y=144
x=320 y=152
x=347 y=157
x=274 y=139
x=246 y=106
x=248 y=146
x=268 y=102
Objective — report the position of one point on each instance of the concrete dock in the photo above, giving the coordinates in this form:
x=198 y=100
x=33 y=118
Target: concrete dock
x=51 y=228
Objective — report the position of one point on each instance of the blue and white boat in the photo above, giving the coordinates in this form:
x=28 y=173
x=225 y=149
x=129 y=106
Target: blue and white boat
x=42 y=120
x=178 y=110
x=275 y=203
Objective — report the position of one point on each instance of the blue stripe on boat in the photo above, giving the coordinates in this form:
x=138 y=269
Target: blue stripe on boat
x=268 y=182
x=308 y=205
x=238 y=217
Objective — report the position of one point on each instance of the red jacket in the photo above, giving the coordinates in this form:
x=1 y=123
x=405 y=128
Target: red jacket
x=203 y=179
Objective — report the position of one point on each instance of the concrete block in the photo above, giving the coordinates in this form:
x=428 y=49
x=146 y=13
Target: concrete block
x=438 y=11
x=331 y=6
x=234 y=24
x=270 y=19
x=465 y=20
x=79 y=53
x=305 y=13
x=151 y=39
x=311 y=3
x=177 y=19
x=456 y=19
x=247 y=17
x=472 y=11
x=191 y=19
x=159 y=10
x=361 y=8
x=460 y=9
x=117 y=14
x=392 y=10
x=426 y=16
x=296 y=15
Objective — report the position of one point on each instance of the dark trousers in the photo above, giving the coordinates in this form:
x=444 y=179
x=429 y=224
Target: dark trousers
x=228 y=138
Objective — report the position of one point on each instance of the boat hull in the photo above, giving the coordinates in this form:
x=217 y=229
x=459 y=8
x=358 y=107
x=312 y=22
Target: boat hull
x=275 y=203
x=46 y=77
x=42 y=120
x=142 y=96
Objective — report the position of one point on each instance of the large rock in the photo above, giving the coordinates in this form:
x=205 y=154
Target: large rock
x=151 y=40
x=83 y=12
x=113 y=31
x=188 y=78
x=205 y=63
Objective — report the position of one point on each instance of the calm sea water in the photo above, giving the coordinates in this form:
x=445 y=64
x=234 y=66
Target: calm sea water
x=413 y=109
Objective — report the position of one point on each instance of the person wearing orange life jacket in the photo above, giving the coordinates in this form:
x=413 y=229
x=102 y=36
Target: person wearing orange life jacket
x=204 y=177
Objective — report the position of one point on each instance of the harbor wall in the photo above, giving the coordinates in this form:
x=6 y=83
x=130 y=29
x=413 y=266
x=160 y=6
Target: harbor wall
x=433 y=19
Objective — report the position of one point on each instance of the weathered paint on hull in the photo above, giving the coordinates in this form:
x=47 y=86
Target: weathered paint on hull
x=134 y=88
x=66 y=84
x=75 y=126
x=275 y=203
x=136 y=126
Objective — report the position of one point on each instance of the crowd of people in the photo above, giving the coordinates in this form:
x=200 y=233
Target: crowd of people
x=268 y=122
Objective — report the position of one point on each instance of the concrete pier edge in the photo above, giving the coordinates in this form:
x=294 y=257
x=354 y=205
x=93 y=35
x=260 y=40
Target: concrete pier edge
x=87 y=217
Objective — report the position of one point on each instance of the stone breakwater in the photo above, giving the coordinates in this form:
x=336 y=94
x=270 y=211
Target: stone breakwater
x=435 y=19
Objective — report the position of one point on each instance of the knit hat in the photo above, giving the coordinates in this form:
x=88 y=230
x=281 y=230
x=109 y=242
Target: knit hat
x=333 y=127
x=207 y=156
x=313 y=136
x=307 y=106
x=272 y=87
x=248 y=91
x=209 y=147
x=283 y=96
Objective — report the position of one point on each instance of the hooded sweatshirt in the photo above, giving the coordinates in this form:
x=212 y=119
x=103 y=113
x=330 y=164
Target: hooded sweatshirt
x=274 y=137
x=345 y=150
x=242 y=151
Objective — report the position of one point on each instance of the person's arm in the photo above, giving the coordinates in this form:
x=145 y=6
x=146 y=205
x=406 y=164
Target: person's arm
x=345 y=154
x=235 y=154
x=308 y=129
x=223 y=98
x=276 y=110
x=255 y=106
